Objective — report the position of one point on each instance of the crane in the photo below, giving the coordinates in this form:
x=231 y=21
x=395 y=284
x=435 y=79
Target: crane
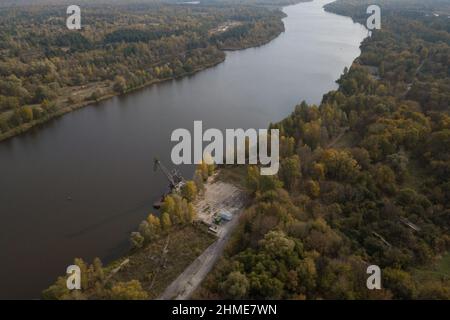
x=176 y=181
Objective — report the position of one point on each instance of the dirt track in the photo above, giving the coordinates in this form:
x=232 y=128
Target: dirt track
x=218 y=196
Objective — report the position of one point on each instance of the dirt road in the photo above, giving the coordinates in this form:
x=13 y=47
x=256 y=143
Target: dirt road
x=228 y=198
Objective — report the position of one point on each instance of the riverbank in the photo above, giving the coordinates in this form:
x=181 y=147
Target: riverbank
x=88 y=102
x=154 y=267
x=174 y=264
x=258 y=42
x=341 y=203
x=101 y=156
x=219 y=197
x=92 y=93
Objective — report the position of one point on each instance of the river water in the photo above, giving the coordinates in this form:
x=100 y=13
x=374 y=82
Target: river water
x=77 y=186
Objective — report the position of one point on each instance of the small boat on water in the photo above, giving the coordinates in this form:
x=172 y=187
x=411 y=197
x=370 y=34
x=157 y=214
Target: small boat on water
x=157 y=204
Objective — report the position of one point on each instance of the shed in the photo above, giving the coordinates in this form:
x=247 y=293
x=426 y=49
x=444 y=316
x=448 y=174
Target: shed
x=226 y=215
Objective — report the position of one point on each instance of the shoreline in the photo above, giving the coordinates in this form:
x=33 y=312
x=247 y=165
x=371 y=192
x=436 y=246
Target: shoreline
x=186 y=282
x=23 y=128
x=87 y=103
x=61 y=112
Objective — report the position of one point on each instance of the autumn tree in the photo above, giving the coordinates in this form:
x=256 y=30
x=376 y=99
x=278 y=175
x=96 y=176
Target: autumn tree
x=252 y=179
x=204 y=169
x=166 y=223
x=192 y=213
x=198 y=180
x=154 y=224
x=339 y=165
x=290 y=171
x=399 y=282
x=168 y=205
x=385 y=178
x=120 y=84
x=312 y=188
x=189 y=191
x=137 y=240
x=235 y=286
x=131 y=290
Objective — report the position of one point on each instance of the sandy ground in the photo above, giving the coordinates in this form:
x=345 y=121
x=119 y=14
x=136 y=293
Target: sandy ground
x=218 y=196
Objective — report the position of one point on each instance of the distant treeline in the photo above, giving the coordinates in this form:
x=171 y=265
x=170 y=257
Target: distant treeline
x=364 y=178
x=44 y=67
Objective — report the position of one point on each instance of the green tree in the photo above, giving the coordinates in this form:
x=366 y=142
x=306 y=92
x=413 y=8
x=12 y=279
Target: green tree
x=120 y=84
x=312 y=134
x=43 y=93
x=4 y=127
x=385 y=178
x=312 y=188
x=236 y=285
x=26 y=113
x=98 y=269
x=318 y=171
x=57 y=291
x=9 y=103
x=131 y=290
x=269 y=183
x=252 y=179
x=340 y=165
x=85 y=274
x=145 y=232
x=307 y=274
x=137 y=240
x=277 y=245
x=290 y=171
x=399 y=282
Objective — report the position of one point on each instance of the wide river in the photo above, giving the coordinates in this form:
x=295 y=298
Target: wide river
x=77 y=186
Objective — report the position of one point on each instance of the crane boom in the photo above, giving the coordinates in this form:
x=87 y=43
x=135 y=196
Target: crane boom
x=175 y=179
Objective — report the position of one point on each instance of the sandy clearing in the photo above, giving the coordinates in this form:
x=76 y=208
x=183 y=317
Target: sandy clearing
x=218 y=196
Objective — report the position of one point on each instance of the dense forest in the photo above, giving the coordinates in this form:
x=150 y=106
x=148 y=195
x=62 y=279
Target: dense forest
x=364 y=177
x=364 y=180
x=47 y=69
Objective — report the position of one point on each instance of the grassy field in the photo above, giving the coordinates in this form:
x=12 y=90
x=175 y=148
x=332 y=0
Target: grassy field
x=233 y=174
x=157 y=265
x=440 y=270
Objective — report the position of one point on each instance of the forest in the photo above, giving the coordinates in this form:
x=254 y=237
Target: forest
x=47 y=70
x=364 y=177
x=364 y=180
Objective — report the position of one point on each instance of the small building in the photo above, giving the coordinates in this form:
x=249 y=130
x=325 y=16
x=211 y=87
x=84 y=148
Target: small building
x=217 y=220
x=213 y=229
x=225 y=215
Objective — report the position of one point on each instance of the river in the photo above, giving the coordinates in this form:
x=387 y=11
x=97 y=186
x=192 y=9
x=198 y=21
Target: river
x=78 y=185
